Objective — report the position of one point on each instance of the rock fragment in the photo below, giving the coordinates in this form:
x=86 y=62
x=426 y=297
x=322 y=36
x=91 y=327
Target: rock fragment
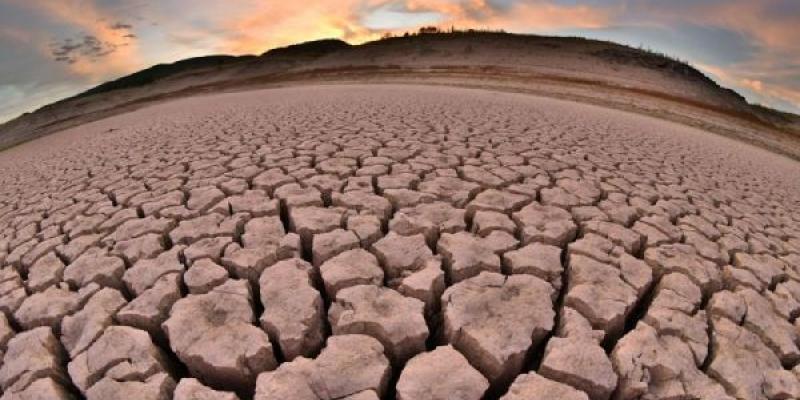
x=545 y=224
x=12 y=292
x=450 y=189
x=532 y=386
x=46 y=271
x=151 y=308
x=189 y=231
x=395 y=320
x=203 y=198
x=364 y=204
x=41 y=389
x=485 y=222
x=293 y=310
x=732 y=343
x=426 y=284
x=120 y=354
x=777 y=333
x=327 y=245
x=466 y=255
x=213 y=334
x=309 y=221
x=429 y=219
x=47 y=308
x=440 y=374
x=31 y=355
x=366 y=227
x=574 y=325
x=142 y=247
x=540 y=260
x=661 y=366
x=401 y=255
x=781 y=384
x=580 y=363
x=494 y=320
x=142 y=275
x=347 y=366
x=80 y=330
x=683 y=259
x=621 y=236
x=350 y=268
x=95 y=265
x=600 y=293
x=192 y=389
x=253 y=202
x=769 y=270
x=497 y=201
x=6 y=332
x=211 y=248
x=204 y=275
x=263 y=244
x=156 y=387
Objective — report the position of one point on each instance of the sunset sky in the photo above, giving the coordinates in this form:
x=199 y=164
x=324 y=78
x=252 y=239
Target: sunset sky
x=50 y=49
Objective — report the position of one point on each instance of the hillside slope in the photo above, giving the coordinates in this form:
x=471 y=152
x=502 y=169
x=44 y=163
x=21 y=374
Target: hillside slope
x=579 y=69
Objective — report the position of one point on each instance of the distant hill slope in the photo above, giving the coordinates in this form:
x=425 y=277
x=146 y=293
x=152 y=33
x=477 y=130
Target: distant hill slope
x=564 y=66
x=150 y=75
x=161 y=71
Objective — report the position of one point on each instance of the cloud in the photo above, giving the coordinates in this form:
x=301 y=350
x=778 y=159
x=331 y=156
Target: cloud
x=120 y=26
x=526 y=16
x=753 y=43
x=89 y=47
x=771 y=93
x=772 y=23
x=265 y=25
x=753 y=84
x=394 y=17
x=95 y=38
x=261 y=25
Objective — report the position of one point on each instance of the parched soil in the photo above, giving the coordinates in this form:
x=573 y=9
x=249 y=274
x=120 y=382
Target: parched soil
x=396 y=242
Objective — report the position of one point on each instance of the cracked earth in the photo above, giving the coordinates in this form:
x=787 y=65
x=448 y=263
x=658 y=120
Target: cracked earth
x=396 y=242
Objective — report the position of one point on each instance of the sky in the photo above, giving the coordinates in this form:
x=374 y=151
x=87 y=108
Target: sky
x=51 y=49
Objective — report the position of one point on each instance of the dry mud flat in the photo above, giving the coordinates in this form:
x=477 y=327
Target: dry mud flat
x=374 y=242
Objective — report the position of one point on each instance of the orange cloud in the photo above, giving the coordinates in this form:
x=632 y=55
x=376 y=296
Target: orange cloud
x=262 y=25
x=767 y=91
x=753 y=84
x=549 y=16
x=461 y=11
x=772 y=91
x=265 y=25
x=521 y=16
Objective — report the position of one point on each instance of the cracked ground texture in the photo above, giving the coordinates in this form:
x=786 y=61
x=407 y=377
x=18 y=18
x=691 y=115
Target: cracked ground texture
x=396 y=242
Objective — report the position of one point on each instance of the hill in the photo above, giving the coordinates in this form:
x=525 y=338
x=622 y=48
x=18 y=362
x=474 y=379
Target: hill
x=161 y=71
x=580 y=69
